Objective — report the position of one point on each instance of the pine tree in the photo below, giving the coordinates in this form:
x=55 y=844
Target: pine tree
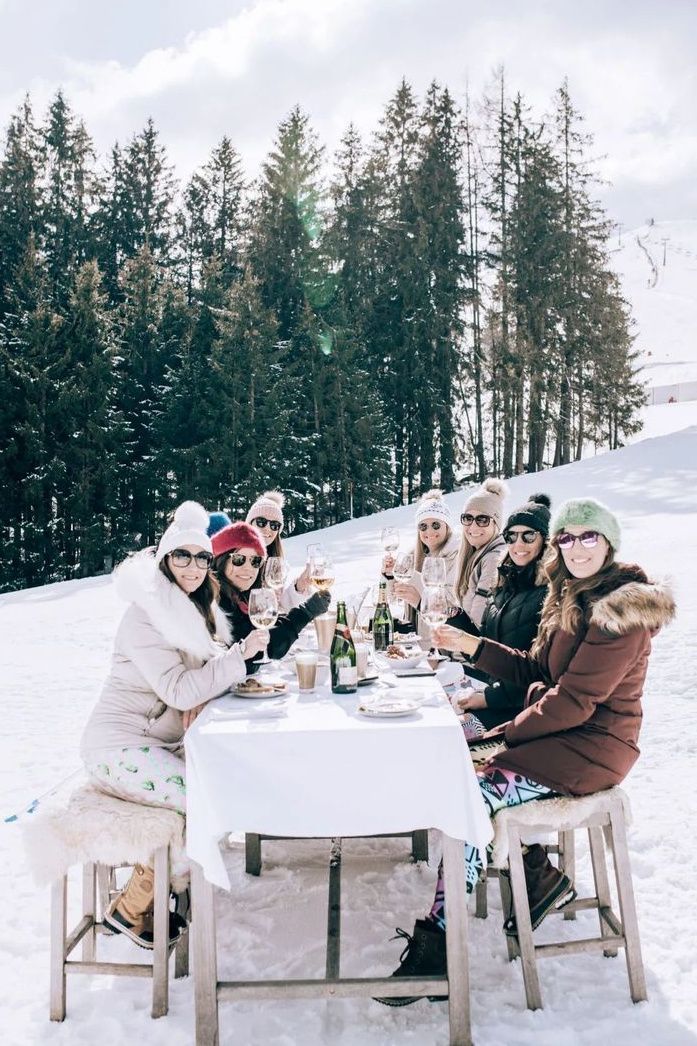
x=21 y=197
x=69 y=197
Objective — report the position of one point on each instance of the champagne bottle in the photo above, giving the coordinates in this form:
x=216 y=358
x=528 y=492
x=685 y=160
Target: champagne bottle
x=342 y=657
x=383 y=625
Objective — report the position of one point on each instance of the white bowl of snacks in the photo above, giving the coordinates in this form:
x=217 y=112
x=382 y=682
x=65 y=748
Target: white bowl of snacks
x=399 y=656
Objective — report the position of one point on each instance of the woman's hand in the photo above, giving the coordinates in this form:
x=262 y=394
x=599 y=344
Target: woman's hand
x=447 y=637
x=256 y=641
x=191 y=713
x=408 y=593
x=471 y=700
x=302 y=582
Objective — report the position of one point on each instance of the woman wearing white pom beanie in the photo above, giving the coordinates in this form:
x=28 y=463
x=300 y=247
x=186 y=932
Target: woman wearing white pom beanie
x=482 y=548
x=170 y=656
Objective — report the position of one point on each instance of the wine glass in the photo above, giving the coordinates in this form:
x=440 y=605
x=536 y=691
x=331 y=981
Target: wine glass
x=276 y=572
x=263 y=611
x=433 y=573
x=314 y=549
x=434 y=609
x=322 y=573
x=389 y=537
x=402 y=571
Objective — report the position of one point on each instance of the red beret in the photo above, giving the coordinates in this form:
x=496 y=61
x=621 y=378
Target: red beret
x=238 y=535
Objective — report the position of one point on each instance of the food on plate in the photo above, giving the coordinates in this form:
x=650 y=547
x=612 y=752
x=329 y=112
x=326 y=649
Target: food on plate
x=258 y=686
x=395 y=651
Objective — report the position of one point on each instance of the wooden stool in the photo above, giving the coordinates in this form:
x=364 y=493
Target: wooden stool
x=604 y=815
x=253 y=841
x=103 y=833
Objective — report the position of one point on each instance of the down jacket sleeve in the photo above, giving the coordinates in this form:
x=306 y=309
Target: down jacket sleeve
x=592 y=676
x=164 y=669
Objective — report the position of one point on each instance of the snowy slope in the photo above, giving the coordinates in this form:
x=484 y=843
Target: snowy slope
x=56 y=643
x=663 y=297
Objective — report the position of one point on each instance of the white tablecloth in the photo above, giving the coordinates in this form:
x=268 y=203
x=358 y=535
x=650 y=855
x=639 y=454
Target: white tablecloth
x=322 y=769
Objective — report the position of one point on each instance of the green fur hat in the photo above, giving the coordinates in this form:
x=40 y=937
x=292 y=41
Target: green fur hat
x=587 y=512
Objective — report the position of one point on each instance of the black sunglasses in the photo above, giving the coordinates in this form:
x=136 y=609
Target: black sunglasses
x=435 y=525
x=467 y=519
x=181 y=557
x=262 y=521
x=238 y=559
x=526 y=536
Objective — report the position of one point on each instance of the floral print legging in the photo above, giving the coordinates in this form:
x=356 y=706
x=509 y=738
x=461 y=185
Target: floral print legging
x=150 y=775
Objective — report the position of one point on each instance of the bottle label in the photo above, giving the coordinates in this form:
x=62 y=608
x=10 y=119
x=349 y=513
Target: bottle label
x=348 y=675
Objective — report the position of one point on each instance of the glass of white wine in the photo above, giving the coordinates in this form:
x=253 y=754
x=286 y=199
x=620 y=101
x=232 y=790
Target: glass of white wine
x=433 y=572
x=322 y=573
x=434 y=609
x=389 y=537
x=402 y=570
x=263 y=611
x=276 y=572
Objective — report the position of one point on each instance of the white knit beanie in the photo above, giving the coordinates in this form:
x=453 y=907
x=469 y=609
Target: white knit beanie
x=432 y=506
x=188 y=527
x=269 y=504
x=488 y=500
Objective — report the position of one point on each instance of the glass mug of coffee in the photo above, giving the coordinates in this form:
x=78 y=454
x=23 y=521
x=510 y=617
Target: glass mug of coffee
x=306 y=669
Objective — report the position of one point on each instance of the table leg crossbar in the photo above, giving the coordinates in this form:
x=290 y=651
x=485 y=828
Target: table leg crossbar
x=209 y=991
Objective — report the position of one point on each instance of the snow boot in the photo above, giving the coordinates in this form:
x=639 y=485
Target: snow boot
x=423 y=956
x=130 y=912
x=547 y=887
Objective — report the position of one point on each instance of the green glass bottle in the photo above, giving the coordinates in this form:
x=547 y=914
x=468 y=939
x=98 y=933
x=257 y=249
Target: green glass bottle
x=383 y=625
x=342 y=656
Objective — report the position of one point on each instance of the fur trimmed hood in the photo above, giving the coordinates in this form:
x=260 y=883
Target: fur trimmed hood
x=138 y=580
x=632 y=601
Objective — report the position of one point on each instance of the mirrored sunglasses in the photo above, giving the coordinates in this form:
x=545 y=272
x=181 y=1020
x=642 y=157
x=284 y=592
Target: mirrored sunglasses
x=435 y=525
x=262 y=521
x=589 y=539
x=467 y=519
x=238 y=559
x=526 y=536
x=181 y=557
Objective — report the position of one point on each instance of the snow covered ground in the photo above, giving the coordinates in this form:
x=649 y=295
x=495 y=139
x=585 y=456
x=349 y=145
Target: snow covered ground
x=55 y=650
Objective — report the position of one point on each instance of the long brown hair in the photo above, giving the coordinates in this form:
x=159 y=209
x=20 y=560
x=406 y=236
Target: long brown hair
x=203 y=598
x=228 y=593
x=568 y=597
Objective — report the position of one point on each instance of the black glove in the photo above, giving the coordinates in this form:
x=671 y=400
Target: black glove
x=317 y=604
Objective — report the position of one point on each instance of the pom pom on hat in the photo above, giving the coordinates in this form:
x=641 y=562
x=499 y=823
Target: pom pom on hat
x=432 y=506
x=238 y=535
x=589 y=513
x=269 y=504
x=488 y=500
x=534 y=513
x=216 y=522
x=189 y=526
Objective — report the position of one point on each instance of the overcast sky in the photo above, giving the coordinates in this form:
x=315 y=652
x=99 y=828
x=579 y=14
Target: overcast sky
x=204 y=68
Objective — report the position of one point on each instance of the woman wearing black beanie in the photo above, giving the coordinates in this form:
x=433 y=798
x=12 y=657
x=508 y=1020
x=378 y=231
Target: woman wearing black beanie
x=512 y=614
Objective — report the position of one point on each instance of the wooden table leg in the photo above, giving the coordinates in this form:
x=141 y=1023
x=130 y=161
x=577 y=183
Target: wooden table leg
x=205 y=959
x=456 y=941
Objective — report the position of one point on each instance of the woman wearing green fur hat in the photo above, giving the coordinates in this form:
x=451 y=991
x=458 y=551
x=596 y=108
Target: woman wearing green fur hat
x=579 y=729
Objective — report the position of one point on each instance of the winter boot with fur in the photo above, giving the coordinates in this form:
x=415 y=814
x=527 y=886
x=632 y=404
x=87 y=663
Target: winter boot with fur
x=131 y=912
x=548 y=888
x=424 y=956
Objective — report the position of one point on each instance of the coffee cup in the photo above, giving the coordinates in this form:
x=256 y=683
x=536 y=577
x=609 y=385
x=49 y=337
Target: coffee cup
x=306 y=669
x=324 y=627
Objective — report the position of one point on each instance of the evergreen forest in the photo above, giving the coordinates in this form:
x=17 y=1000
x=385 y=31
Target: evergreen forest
x=425 y=307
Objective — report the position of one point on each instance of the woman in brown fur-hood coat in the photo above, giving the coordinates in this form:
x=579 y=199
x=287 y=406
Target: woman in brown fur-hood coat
x=579 y=729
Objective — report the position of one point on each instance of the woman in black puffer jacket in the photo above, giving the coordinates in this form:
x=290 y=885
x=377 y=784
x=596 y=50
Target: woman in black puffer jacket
x=512 y=614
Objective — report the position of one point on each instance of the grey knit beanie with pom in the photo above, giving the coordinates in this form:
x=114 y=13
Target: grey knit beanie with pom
x=488 y=500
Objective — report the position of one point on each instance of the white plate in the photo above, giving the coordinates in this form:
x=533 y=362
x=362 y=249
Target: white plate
x=266 y=692
x=410 y=661
x=389 y=708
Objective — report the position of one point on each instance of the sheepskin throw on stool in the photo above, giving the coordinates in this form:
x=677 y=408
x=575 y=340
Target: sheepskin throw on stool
x=93 y=827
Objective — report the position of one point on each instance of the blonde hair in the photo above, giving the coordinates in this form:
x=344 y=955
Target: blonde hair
x=465 y=561
x=568 y=597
